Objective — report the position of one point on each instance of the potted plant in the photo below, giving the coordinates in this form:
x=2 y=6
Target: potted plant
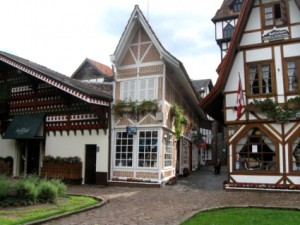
x=294 y=103
x=147 y=106
x=122 y=107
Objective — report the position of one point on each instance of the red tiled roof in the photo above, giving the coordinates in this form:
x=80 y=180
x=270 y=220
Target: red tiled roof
x=103 y=68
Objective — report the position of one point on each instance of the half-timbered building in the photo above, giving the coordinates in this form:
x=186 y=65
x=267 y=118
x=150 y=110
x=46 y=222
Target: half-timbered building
x=144 y=146
x=258 y=79
x=44 y=113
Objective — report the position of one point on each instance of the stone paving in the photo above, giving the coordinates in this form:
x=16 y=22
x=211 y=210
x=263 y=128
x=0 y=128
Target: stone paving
x=170 y=204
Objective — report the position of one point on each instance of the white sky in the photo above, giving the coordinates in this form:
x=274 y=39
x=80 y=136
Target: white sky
x=60 y=34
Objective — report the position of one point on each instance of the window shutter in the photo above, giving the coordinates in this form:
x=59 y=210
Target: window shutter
x=143 y=89
x=151 y=89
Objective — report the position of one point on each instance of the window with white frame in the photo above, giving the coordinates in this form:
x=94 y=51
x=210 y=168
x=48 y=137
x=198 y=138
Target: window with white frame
x=128 y=90
x=124 y=149
x=168 y=150
x=147 y=89
x=143 y=89
x=147 y=156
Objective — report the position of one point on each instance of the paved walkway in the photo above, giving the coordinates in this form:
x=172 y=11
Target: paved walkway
x=170 y=204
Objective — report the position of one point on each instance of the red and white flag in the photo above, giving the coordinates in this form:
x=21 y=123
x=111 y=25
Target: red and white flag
x=239 y=100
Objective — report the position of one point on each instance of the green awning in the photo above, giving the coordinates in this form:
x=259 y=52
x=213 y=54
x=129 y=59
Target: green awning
x=25 y=127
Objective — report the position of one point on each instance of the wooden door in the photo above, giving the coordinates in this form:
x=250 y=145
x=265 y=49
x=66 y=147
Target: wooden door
x=90 y=164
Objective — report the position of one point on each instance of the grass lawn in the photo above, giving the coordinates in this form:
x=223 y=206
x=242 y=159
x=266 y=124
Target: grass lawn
x=246 y=216
x=20 y=215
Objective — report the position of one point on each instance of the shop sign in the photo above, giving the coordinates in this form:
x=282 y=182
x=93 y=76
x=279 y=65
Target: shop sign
x=276 y=34
x=130 y=130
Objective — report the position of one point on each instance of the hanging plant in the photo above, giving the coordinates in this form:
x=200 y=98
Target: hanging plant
x=179 y=119
x=147 y=106
x=280 y=113
x=122 y=107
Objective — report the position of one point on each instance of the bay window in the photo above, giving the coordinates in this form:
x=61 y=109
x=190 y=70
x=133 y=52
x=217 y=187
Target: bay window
x=168 y=150
x=147 y=151
x=124 y=149
x=255 y=151
x=260 y=79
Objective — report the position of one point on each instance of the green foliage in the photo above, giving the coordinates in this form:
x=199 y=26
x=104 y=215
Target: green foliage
x=124 y=106
x=147 y=106
x=26 y=190
x=295 y=99
x=179 y=119
x=248 y=216
x=29 y=190
x=4 y=187
x=47 y=192
x=280 y=113
x=71 y=159
x=61 y=187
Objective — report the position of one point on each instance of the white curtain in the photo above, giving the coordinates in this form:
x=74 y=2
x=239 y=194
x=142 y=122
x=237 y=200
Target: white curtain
x=266 y=76
x=252 y=75
x=291 y=75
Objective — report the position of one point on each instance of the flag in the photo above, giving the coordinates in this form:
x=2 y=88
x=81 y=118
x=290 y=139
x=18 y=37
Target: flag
x=239 y=99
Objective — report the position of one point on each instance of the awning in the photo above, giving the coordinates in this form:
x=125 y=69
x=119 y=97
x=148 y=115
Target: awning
x=25 y=127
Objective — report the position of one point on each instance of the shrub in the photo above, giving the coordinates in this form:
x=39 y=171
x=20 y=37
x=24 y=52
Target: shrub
x=61 y=187
x=26 y=190
x=4 y=187
x=47 y=192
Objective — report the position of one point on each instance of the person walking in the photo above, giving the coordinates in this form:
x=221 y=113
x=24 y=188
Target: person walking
x=218 y=166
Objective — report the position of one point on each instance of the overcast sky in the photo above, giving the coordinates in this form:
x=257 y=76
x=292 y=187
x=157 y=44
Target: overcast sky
x=60 y=34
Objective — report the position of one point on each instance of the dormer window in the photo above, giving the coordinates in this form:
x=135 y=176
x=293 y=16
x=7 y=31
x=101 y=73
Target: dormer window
x=274 y=15
x=237 y=5
x=228 y=31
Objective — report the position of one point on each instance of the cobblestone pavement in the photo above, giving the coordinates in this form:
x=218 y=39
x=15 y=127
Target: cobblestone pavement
x=170 y=204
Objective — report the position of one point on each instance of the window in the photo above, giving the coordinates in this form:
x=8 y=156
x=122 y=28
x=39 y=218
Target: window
x=147 y=149
x=124 y=149
x=147 y=89
x=228 y=31
x=274 y=15
x=260 y=81
x=144 y=89
x=185 y=148
x=255 y=151
x=237 y=5
x=292 y=74
x=296 y=155
x=128 y=89
x=168 y=150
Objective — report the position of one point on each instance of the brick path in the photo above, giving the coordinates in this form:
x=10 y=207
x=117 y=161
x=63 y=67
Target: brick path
x=170 y=204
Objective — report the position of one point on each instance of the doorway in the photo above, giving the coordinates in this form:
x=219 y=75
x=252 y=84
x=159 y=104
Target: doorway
x=90 y=164
x=30 y=151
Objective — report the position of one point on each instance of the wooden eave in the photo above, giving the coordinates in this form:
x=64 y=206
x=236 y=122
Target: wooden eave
x=212 y=104
x=71 y=86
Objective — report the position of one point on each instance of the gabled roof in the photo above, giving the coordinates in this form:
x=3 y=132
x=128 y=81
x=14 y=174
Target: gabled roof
x=204 y=83
x=76 y=88
x=136 y=20
x=225 y=12
x=103 y=70
x=212 y=104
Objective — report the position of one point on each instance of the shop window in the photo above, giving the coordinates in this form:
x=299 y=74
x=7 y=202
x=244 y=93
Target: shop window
x=260 y=79
x=168 y=150
x=147 y=149
x=296 y=154
x=124 y=150
x=255 y=151
x=292 y=74
x=237 y=5
x=228 y=31
x=275 y=15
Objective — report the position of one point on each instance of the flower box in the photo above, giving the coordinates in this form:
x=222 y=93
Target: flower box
x=293 y=105
x=253 y=108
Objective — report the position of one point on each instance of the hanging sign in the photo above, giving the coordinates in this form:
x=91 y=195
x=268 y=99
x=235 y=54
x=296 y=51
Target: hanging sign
x=276 y=34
